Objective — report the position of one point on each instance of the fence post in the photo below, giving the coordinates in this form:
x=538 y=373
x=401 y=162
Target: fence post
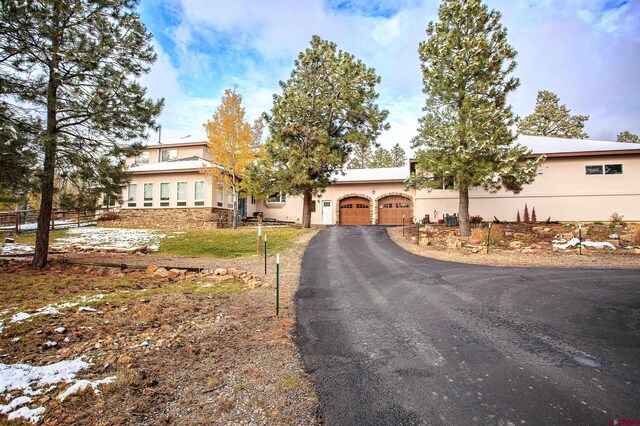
x=53 y=219
x=17 y=223
x=78 y=218
x=489 y=238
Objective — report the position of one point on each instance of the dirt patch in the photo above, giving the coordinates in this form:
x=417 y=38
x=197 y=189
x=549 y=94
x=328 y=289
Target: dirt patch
x=525 y=245
x=186 y=352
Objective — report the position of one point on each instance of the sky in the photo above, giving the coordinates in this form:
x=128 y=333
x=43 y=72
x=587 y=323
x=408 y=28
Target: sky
x=586 y=51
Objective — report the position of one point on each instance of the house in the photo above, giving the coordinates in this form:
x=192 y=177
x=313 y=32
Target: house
x=581 y=180
x=167 y=188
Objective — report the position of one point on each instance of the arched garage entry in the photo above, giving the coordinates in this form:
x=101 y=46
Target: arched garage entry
x=391 y=209
x=355 y=211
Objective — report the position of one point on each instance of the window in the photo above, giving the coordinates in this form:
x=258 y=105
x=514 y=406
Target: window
x=108 y=200
x=220 y=198
x=277 y=198
x=181 y=192
x=386 y=206
x=143 y=158
x=313 y=206
x=447 y=182
x=346 y=206
x=198 y=195
x=132 y=195
x=253 y=199
x=230 y=200
x=164 y=195
x=402 y=205
x=613 y=169
x=168 y=154
x=362 y=206
x=593 y=170
x=607 y=169
x=148 y=195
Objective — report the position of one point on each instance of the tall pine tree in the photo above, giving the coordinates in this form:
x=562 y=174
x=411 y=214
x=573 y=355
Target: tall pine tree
x=549 y=118
x=72 y=66
x=327 y=108
x=465 y=133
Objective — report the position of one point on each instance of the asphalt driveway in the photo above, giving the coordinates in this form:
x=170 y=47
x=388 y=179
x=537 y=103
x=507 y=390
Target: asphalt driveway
x=393 y=338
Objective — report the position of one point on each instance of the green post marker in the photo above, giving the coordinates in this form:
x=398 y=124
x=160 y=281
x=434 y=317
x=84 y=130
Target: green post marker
x=489 y=238
x=265 y=254
x=277 y=284
x=580 y=231
x=418 y=228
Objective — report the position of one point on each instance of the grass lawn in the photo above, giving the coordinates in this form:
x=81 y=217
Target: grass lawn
x=221 y=243
x=227 y=242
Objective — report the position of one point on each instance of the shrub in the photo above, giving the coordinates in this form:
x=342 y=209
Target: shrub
x=615 y=217
x=598 y=222
x=110 y=216
x=476 y=219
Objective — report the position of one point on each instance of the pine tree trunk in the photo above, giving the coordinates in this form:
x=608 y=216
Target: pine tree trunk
x=463 y=212
x=306 y=210
x=49 y=167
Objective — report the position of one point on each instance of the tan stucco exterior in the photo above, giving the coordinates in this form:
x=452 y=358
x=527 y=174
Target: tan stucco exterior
x=562 y=191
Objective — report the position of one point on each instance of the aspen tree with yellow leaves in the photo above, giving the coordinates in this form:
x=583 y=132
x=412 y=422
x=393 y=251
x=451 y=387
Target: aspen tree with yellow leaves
x=233 y=145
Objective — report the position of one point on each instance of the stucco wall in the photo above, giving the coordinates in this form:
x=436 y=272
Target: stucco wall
x=562 y=192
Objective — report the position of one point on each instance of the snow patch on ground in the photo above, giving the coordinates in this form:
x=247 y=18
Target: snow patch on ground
x=11 y=249
x=34 y=380
x=112 y=237
x=575 y=242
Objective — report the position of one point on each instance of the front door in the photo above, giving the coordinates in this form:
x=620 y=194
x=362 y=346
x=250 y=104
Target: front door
x=327 y=213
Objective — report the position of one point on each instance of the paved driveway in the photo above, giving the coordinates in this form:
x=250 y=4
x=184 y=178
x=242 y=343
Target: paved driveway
x=393 y=338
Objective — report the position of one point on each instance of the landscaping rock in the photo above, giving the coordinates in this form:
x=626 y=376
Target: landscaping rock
x=176 y=274
x=627 y=237
x=220 y=271
x=226 y=278
x=519 y=235
x=567 y=236
x=161 y=273
x=151 y=269
x=474 y=241
x=516 y=244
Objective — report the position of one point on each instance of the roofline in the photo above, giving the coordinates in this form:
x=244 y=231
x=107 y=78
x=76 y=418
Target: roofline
x=591 y=153
x=175 y=145
x=155 y=172
x=350 y=182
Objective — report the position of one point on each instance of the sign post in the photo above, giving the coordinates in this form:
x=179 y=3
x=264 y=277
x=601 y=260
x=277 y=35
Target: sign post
x=489 y=238
x=403 y=226
x=580 y=231
x=259 y=235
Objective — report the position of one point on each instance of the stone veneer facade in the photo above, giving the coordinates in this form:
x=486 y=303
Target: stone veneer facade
x=185 y=218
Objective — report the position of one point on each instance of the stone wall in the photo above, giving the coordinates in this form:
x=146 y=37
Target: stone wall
x=186 y=218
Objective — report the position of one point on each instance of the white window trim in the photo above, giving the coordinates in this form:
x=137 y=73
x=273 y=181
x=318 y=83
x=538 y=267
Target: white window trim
x=186 y=194
x=195 y=193
x=144 y=195
x=604 y=169
x=168 y=200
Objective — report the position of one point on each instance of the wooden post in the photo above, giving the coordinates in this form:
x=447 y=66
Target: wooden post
x=53 y=220
x=259 y=251
x=78 y=218
x=17 y=223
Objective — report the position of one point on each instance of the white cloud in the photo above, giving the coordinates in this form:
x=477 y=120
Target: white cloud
x=588 y=54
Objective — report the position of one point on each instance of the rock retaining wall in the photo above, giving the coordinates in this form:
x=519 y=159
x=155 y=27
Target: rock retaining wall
x=187 y=218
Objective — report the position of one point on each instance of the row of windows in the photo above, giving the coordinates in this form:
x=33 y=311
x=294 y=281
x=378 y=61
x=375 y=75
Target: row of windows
x=165 y=155
x=358 y=206
x=165 y=193
x=607 y=169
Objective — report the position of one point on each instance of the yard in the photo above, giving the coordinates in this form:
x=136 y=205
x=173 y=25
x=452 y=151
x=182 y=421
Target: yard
x=87 y=344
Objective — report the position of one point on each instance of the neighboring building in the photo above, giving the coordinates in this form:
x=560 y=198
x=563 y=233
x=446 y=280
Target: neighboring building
x=581 y=180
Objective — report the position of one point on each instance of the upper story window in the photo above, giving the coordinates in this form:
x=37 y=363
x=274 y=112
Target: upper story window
x=607 y=169
x=143 y=158
x=279 y=197
x=168 y=154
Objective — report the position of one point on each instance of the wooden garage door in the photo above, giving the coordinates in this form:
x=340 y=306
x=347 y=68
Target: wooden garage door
x=355 y=211
x=391 y=209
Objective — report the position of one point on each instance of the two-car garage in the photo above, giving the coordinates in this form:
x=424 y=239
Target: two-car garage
x=391 y=210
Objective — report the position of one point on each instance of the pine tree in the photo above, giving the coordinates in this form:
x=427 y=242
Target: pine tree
x=518 y=220
x=327 y=108
x=398 y=156
x=549 y=118
x=68 y=70
x=232 y=146
x=360 y=157
x=534 y=219
x=527 y=218
x=627 y=136
x=381 y=158
x=466 y=131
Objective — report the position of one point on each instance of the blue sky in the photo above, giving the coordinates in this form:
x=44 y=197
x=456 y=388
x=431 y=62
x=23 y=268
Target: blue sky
x=588 y=52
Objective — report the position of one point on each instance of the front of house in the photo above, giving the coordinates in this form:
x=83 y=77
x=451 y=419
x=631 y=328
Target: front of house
x=581 y=180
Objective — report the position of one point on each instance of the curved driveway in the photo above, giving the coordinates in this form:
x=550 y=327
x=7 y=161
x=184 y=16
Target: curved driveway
x=393 y=338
